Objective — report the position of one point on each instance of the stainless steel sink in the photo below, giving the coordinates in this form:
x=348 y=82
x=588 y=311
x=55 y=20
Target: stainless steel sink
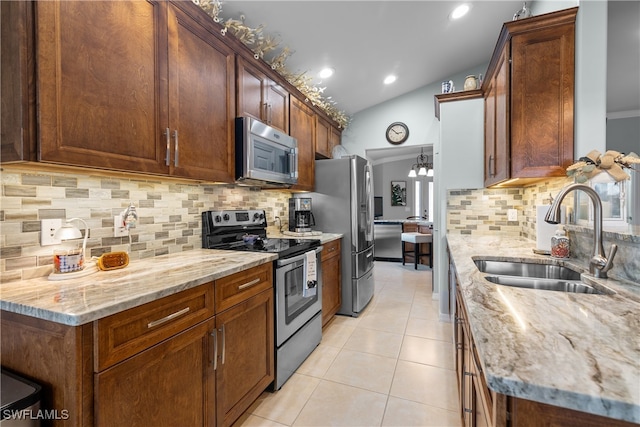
x=524 y=269
x=544 y=284
x=536 y=276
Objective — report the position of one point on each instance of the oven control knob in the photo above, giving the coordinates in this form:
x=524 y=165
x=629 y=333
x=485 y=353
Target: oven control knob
x=218 y=218
x=225 y=217
x=257 y=216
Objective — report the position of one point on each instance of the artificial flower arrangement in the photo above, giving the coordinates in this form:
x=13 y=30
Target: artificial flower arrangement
x=261 y=44
x=611 y=162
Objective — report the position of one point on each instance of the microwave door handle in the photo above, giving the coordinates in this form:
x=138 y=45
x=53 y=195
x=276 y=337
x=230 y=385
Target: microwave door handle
x=293 y=162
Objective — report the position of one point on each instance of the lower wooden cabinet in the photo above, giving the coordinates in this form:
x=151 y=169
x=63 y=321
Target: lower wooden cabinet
x=172 y=361
x=331 y=280
x=170 y=382
x=481 y=406
x=245 y=359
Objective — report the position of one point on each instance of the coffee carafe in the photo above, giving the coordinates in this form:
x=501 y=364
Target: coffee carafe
x=300 y=216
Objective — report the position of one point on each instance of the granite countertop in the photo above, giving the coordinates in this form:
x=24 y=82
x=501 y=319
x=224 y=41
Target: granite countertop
x=82 y=300
x=403 y=221
x=324 y=237
x=579 y=351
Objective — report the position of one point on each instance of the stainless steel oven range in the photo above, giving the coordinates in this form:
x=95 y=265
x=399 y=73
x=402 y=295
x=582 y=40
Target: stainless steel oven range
x=298 y=304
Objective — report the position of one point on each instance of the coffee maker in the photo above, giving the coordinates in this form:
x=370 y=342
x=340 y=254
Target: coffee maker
x=300 y=216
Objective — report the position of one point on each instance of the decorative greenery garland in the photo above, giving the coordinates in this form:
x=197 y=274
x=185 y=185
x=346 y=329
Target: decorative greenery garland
x=260 y=44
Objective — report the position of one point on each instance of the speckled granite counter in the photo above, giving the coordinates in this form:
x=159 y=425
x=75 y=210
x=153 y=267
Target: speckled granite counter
x=403 y=221
x=579 y=351
x=77 y=301
x=324 y=237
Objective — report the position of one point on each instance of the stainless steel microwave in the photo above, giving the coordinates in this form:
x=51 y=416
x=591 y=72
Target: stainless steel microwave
x=265 y=156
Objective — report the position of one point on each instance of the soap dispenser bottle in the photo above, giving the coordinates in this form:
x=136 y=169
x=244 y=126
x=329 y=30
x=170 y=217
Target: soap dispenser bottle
x=560 y=247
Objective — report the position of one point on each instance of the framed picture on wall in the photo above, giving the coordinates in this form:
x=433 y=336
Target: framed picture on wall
x=398 y=193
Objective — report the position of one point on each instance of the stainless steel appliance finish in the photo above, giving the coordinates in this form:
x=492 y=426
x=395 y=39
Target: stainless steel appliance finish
x=298 y=319
x=265 y=156
x=388 y=241
x=301 y=218
x=343 y=203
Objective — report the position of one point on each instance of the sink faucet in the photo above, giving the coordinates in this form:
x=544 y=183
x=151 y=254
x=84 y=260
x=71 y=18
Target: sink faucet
x=599 y=264
x=279 y=222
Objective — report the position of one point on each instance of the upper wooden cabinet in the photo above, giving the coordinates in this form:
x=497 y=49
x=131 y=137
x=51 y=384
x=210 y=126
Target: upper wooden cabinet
x=155 y=96
x=303 y=128
x=327 y=137
x=261 y=97
x=529 y=99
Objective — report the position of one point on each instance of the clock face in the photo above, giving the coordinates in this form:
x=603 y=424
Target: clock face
x=397 y=133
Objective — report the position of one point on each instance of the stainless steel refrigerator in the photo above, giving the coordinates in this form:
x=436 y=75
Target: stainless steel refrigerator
x=343 y=203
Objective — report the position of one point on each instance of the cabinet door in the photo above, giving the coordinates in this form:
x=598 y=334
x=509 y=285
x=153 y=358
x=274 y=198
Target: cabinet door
x=322 y=139
x=262 y=98
x=497 y=123
x=331 y=281
x=245 y=357
x=302 y=127
x=168 y=384
x=201 y=101
x=278 y=106
x=251 y=91
x=335 y=138
x=542 y=88
x=99 y=78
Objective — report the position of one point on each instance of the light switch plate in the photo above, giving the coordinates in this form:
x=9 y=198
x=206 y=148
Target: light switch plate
x=512 y=215
x=119 y=229
x=48 y=228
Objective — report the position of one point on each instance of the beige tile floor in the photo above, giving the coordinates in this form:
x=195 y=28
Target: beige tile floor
x=392 y=366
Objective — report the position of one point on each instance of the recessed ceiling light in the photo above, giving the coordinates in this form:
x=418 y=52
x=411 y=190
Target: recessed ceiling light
x=459 y=11
x=326 y=73
x=389 y=79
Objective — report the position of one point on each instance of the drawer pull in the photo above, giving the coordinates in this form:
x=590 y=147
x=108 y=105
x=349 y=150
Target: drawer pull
x=248 y=284
x=167 y=318
x=333 y=248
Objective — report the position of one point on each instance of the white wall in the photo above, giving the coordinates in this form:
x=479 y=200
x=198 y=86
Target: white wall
x=416 y=109
x=458 y=164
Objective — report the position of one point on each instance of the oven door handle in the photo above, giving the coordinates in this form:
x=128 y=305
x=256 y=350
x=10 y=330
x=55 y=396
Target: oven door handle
x=287 y=261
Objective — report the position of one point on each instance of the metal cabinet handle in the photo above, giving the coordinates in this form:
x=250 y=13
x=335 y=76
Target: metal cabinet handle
x=167 y=158
x=492 y=172
x=468 y=411
x=249 y=284
x=333 y=248
x=177 y=152
x=214 y=334
x=167 y=318
x=265 y=109
x=270 y=114
x=224 y=344
x=469 y=374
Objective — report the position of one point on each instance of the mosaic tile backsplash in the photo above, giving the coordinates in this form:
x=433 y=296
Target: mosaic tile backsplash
x=168 y=213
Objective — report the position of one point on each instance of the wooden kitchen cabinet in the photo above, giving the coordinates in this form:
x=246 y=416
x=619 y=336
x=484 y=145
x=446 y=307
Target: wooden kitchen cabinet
x=175 y=360
x=302 y=126
x=529 y=100
x=245 y=366
x=480 y=406
x=155 y=96
x=327 y=137
x=261 y=97
x=171 y=382
x=331 y=279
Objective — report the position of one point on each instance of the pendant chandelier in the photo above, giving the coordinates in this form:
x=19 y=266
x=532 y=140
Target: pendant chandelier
x=421 y=165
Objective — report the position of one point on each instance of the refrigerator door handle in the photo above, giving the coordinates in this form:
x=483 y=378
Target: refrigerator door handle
x=369 y=202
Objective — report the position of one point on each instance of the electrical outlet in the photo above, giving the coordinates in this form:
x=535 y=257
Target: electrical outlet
x=512 y=215
x=119 y=229
x=48 y=228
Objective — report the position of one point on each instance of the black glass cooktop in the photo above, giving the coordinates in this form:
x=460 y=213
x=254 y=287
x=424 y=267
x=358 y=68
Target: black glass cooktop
x=282 y=247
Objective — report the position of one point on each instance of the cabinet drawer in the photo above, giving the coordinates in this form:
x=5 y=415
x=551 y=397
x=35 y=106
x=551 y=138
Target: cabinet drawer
x=127 y=333
x=330 y=249
x=236 y=288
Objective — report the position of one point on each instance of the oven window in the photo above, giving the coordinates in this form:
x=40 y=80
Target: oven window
x=295 y=302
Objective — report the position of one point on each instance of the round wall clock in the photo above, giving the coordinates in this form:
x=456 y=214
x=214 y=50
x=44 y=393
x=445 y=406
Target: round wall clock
x=397 y=133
